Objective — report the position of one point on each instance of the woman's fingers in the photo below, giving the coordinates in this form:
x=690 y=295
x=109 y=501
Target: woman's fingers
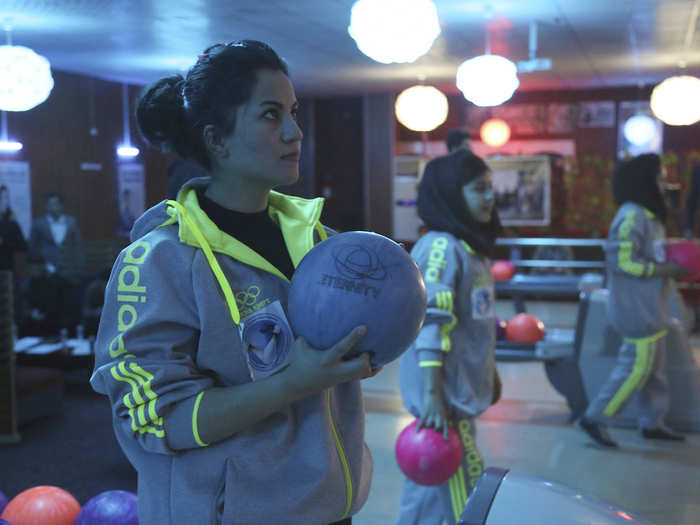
x=342 y=347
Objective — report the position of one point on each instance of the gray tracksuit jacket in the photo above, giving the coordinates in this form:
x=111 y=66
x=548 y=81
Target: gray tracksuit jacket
x=188 y=308
x=637 y=306
x=458 y=333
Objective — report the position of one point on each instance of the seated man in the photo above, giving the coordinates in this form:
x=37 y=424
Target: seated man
x=44 y=310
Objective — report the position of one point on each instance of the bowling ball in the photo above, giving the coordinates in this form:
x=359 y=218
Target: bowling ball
x=113 y=507
x=500 y=329
x=687 y=255
x=425 y=457
x=44 y=504
x=358 y=278
x=3 y=501
x=3 y=522
x=502 y=270
x=525 y=328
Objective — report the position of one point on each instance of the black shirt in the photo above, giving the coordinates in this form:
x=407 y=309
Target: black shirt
x=256 y=230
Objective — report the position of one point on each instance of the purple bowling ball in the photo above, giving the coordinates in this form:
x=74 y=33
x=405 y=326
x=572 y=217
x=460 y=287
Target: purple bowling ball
x=3 y=522
x=113 y=507
x=358 y=278
x=3 y=501
x=501 y=329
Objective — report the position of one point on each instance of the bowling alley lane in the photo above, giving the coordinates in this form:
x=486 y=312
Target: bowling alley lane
x=529 y=431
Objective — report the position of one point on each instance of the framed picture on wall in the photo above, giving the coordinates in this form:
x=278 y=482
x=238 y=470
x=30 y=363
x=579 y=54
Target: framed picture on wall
x=522 y=189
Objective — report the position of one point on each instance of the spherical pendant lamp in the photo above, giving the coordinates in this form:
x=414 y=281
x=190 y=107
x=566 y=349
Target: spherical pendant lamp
x=639 y=129
x=391 y=31
x=487 y=80
x=495 y=132
x=676 y=100
x=421 y=108
x=25 y=78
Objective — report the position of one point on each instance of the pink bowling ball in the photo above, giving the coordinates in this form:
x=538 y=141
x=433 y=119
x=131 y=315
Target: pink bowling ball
x=687 y=255
x=425 y=457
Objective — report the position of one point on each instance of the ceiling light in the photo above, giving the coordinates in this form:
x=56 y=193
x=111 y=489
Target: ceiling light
x=7 y=145
x=676 y=100
x=125 y=149
x=391 y=31
x=495 y=132
x=487 y=80
x=25 y=78
x=421 y=108
x=639 y=129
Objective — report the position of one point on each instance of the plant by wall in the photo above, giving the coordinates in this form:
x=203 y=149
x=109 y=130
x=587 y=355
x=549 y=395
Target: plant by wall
x=590 y=204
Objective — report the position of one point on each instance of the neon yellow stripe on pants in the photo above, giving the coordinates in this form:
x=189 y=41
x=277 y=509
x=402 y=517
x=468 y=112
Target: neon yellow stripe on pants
x=458 y=493
x=645 y=349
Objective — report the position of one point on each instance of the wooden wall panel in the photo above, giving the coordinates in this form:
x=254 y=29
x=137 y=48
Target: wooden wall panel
x=339 y=161
x=56 y=141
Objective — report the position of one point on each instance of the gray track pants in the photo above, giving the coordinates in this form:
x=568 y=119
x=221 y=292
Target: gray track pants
x=640 y=370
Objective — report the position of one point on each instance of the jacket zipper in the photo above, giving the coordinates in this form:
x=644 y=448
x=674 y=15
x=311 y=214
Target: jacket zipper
x=343 y=458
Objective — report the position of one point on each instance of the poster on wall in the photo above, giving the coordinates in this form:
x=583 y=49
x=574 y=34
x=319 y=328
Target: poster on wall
x=596 y=114
x=562 y=118
x=15 y=186
x=522 y=190
x=131 y=192
x=523 y=119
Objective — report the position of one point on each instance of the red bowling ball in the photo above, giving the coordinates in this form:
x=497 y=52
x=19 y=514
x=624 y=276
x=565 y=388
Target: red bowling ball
x=525 y=328
x=42 y=505
x=687 y=255
x=425 y=457
x=502 y=270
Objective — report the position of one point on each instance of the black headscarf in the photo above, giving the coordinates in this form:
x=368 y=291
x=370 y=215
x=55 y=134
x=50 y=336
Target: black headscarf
x=635 y=180
x=441 y=203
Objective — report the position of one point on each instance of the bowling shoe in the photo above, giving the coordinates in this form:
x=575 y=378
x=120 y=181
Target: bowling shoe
x=595 y=432
x=661 y=433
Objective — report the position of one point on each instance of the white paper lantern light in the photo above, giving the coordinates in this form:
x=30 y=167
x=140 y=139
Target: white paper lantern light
x=421 y=108
x=676 y=100
x=25 y=78
x=487 y=80
x=495 y=132
x=639 y=129
x=394 y=31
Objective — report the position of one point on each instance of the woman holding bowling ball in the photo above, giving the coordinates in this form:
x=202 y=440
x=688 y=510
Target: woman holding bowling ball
x=228 y=418
x=448 y=376
x=639 y=280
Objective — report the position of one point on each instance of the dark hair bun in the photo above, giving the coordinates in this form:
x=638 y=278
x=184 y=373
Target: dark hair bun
x=160 y=112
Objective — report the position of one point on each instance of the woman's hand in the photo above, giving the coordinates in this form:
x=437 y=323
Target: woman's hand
x=373 y=372
x=669 y=269
x=434 y=410
x=311 y=370
x=434 y=414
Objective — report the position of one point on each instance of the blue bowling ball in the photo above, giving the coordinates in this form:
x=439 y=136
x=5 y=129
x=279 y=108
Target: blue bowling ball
x=112 y=507
x=3 y=522
x=3 y=501
x=358 y=278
